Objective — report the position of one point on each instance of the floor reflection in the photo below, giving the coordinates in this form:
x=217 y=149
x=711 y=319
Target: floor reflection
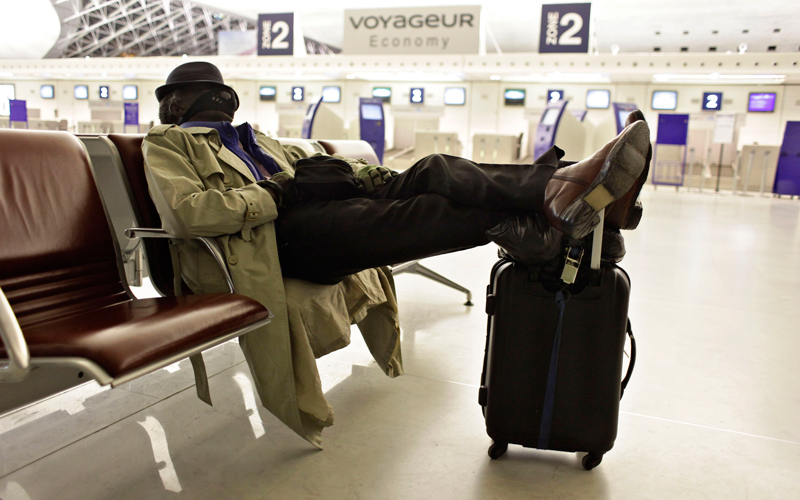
x=158 y=439
x=14 y=491
x=249 y=396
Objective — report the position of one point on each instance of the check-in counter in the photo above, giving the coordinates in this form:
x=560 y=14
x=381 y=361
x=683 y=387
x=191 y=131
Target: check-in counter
x=493 y=148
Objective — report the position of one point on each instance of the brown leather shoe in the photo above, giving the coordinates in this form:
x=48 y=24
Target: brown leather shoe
x=575 y=194
x=626 y=212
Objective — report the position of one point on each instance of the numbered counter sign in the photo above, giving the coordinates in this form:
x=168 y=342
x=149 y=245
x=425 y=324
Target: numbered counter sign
x=275 y=34
x=565 y=28
x=712 y=101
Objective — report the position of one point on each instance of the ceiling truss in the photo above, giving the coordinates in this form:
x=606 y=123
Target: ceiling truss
x=114 y=28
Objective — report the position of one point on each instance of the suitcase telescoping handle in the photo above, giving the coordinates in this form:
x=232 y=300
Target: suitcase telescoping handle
x=574 y=254
x=633 y=361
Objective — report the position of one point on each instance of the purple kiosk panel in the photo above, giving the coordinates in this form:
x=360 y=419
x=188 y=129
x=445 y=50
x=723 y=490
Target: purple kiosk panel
x=621 y=112
x=579 y=114
x=308 y=120
x=548 y=124
x=372 y=124
x=787 y=177
x=673 y=130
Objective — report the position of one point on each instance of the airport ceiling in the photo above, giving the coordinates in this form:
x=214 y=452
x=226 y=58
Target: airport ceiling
x=633 y=25
x=512 y=26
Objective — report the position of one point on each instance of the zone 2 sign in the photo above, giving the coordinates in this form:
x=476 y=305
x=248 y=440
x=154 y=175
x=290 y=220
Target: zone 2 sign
x=565 y=28
x=275 y=36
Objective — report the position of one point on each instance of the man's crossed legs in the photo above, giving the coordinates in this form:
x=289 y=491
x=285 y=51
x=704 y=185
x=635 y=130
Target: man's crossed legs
x=444 y=204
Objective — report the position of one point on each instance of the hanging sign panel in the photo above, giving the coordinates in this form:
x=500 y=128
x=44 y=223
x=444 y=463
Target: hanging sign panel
x=416 y=30
x=565 y=28
x=724 y=128
x=276 y=34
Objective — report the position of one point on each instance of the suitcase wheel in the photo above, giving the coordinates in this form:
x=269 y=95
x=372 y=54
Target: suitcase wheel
x=591 y=460
x=498 y=449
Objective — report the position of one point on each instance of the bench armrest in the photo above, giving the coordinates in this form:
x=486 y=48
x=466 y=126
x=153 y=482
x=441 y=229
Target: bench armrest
x=210 y=244
x=19 y=358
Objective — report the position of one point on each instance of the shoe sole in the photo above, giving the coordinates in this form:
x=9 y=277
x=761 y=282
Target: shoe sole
x=622 y=168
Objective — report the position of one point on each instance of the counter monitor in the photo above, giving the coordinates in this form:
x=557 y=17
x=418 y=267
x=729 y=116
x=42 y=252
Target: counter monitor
x=417 y=96
x=665 y=100
x=81 y=92
x=761 y=102
x=598 y=99
x=130 y=92
x=47 y=92
x=331 y=94
x=266 y=93
x=298 y=93
x=104 y=92
x=383 y=93
x=514 y=97
x=455 y=96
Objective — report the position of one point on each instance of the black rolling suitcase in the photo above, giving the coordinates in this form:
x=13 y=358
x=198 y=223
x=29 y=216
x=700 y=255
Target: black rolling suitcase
x=554 y=357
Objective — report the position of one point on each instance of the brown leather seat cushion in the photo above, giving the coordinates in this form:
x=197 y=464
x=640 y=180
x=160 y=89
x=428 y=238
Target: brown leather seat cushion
x=127 y=336
x=352 y=149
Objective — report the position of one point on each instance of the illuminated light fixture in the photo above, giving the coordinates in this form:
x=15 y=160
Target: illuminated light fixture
x=742 y=48
x=351 y=77
x=494 y=77
x=614 y=49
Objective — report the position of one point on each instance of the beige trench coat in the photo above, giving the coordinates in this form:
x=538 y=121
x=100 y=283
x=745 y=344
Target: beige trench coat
x=203 y=189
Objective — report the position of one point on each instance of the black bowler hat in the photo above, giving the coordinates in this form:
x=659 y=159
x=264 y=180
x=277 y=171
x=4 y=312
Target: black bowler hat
x=193 y=72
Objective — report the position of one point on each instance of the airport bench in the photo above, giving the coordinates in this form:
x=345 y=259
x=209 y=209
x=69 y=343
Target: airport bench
x=66 y=313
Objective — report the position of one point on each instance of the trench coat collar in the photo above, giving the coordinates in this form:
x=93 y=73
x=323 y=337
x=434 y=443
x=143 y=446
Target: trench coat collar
x=224 y=154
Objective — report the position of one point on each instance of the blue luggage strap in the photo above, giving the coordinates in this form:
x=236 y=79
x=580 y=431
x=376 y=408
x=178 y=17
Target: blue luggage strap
x=550 y=392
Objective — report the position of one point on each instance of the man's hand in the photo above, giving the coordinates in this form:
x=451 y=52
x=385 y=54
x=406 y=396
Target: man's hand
x=281 y=187
x=374 y=177
x=284 y=179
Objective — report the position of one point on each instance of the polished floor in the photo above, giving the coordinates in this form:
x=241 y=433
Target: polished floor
x=712 y=412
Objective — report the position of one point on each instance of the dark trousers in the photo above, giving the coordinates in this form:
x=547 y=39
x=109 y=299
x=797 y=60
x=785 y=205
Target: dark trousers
x=441 y=204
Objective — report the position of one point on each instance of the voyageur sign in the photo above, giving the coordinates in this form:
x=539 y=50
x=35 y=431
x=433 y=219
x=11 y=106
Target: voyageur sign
x=417 y=30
